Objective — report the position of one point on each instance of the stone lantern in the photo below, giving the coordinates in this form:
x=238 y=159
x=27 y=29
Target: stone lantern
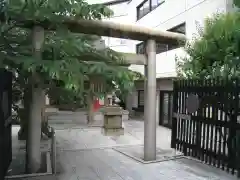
x=112 y=125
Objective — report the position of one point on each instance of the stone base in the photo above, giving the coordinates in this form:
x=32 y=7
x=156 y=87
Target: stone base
x=137 y=153
x=113 y=132
x=17 y=166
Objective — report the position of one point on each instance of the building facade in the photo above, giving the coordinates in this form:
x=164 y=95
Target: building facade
x=181 y=16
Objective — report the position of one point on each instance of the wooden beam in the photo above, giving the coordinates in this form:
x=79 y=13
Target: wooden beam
x=107 y=28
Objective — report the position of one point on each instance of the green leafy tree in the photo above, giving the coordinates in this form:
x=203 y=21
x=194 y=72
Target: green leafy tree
x=215 y=52
x=237 y=3
x=66 y=57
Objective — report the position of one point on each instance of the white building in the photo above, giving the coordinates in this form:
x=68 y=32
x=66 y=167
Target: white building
x=183 y=16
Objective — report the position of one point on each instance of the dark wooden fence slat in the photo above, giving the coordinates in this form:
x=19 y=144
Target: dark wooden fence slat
x=184 y=134
x=178 y=120
x=208 y=125
x=174 y=119
x=188 y=132
x=219 y=129
x=181 y=120
x=215 y=118
x=225 y=131
x=210 y=133
x=205 y=126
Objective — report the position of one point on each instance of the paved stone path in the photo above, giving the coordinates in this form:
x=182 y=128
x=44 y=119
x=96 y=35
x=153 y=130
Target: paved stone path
x=78 y=137
x=107 y=164
x=85 y=154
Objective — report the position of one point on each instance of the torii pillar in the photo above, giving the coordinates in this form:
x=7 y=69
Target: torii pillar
x=150 y=102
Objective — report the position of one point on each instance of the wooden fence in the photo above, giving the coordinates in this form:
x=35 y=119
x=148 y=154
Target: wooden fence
x=211 y=134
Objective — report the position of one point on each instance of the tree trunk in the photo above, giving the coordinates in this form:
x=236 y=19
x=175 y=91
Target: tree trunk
x=90 y=108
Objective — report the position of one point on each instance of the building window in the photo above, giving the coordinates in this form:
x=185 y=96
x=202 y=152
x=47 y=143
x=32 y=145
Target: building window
x=143 y=9
x=147 y=6
x=140 y=48
x=156 y=3
x=181 y=28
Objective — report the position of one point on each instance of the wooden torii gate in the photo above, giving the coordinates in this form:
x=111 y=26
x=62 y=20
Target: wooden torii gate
x=149 y=36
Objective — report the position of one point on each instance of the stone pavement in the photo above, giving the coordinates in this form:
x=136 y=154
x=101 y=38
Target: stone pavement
x=85 y=154
x=74 y=137
x=47 y=177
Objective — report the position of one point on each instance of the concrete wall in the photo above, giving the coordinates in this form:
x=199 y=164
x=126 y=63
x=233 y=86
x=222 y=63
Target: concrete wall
x=167 y=15
x=162 y=85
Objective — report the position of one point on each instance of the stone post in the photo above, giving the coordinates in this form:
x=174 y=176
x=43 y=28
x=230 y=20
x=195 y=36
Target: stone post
x=150 y=103
x=35 y=115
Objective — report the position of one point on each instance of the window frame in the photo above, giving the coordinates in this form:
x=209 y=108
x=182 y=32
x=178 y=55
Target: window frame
x=158 y=4
x=140 y=6
x=138 y=46
x=151 y=8
x=173 y=29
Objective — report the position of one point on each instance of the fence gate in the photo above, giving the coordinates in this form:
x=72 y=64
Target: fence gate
x=205 y=125
x=5 y=121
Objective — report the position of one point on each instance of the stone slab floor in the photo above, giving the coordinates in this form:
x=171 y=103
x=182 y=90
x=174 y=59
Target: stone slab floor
x=85 y=154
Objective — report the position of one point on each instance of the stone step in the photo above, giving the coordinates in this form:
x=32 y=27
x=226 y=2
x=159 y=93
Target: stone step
x=60 y=120
x=69 y=117
x=66 y=121
x=71 y=112
x=73 y=117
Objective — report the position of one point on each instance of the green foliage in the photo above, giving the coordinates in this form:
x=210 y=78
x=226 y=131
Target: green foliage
x=237 y=3
x=216 y=51
x=55 y=10
x=66 y=56
x=63 y=96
